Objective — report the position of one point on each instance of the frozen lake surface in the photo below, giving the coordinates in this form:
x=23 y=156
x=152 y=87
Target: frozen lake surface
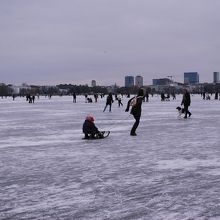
x=171 y=170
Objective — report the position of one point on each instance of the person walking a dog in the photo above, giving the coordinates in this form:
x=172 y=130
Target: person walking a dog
x=186 y=101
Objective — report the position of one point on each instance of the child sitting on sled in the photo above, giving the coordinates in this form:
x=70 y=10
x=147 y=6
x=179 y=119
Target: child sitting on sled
x=89 y=128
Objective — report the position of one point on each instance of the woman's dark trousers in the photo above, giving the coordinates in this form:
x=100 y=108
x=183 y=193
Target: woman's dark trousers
x=136 y=123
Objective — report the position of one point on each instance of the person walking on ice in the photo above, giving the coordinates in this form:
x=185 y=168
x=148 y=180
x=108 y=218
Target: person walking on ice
x=109 y=102
x=186 y=101
x=119 y=98
x=135 y=103
x=74 y=97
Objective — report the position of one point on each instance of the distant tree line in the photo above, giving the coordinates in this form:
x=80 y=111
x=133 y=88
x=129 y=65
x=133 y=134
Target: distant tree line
x=5 y=90
x=209 y=88
x=69 y=89
x=82 y=89
x=62 y=89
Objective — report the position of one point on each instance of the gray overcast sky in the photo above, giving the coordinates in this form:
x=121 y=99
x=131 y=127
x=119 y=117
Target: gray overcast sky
x=75 y=41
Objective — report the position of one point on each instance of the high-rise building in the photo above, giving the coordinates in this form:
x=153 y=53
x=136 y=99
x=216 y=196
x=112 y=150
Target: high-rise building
x=215 y=77
x=129 y=81
x=93 y=83
x=191 y=78
x=139 y=81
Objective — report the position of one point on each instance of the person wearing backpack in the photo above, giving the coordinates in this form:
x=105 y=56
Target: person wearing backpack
x=135 y=104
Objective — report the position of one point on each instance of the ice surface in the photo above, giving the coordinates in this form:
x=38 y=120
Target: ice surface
x=171 y=170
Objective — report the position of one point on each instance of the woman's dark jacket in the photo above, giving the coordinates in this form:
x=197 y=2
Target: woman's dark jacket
x=136 y=109
x=89 y=127
x=109 y=100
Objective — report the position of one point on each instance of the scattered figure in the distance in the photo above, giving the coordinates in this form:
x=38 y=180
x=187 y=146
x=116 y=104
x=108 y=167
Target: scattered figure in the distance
x=186 y=101
x=147 y=97
x=89 y=100
x=86 y=96
x=167 y=97
x=28 y=97
x=162 y=95
x=207 y=97
x=33 y=98
x=109 y=102
x=173 y=95
x=119 y=98
x=96 y=97
x=135 y=104
x=216 y=95
x=74 y=97
x=89 y=128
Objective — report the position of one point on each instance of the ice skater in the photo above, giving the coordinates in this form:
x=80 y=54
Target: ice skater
x=136 y=103
x=119 y=98
x=109 y=102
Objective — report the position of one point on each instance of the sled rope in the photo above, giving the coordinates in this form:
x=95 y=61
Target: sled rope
x=115 y=124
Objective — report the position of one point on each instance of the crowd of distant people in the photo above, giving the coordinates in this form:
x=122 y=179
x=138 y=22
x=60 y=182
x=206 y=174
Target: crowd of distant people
x=135 y=103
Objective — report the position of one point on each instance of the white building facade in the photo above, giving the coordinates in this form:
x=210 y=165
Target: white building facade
x=93 y=83
x=139 y=81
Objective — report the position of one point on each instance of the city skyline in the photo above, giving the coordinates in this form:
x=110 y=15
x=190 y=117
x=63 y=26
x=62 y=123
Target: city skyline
x=94 y=82
x=53 y=42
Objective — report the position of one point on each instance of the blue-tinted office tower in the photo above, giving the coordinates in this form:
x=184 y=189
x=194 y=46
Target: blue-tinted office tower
x=129 y=81
x=191 y=78
x=216 y=77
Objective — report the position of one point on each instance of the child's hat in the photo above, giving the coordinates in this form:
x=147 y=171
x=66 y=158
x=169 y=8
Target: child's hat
x=90 y=118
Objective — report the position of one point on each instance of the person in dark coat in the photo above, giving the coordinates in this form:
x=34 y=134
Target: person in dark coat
x=74 y=97
x=33 y=98
x=216 y=95
x=186 y=101
x=89 y=128
x=109 y=102
x=136 y=110
x=147 y=97
x=96 y=97
x=162 y=96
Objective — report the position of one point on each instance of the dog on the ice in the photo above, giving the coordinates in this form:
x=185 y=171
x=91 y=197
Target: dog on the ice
x=180 y=111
